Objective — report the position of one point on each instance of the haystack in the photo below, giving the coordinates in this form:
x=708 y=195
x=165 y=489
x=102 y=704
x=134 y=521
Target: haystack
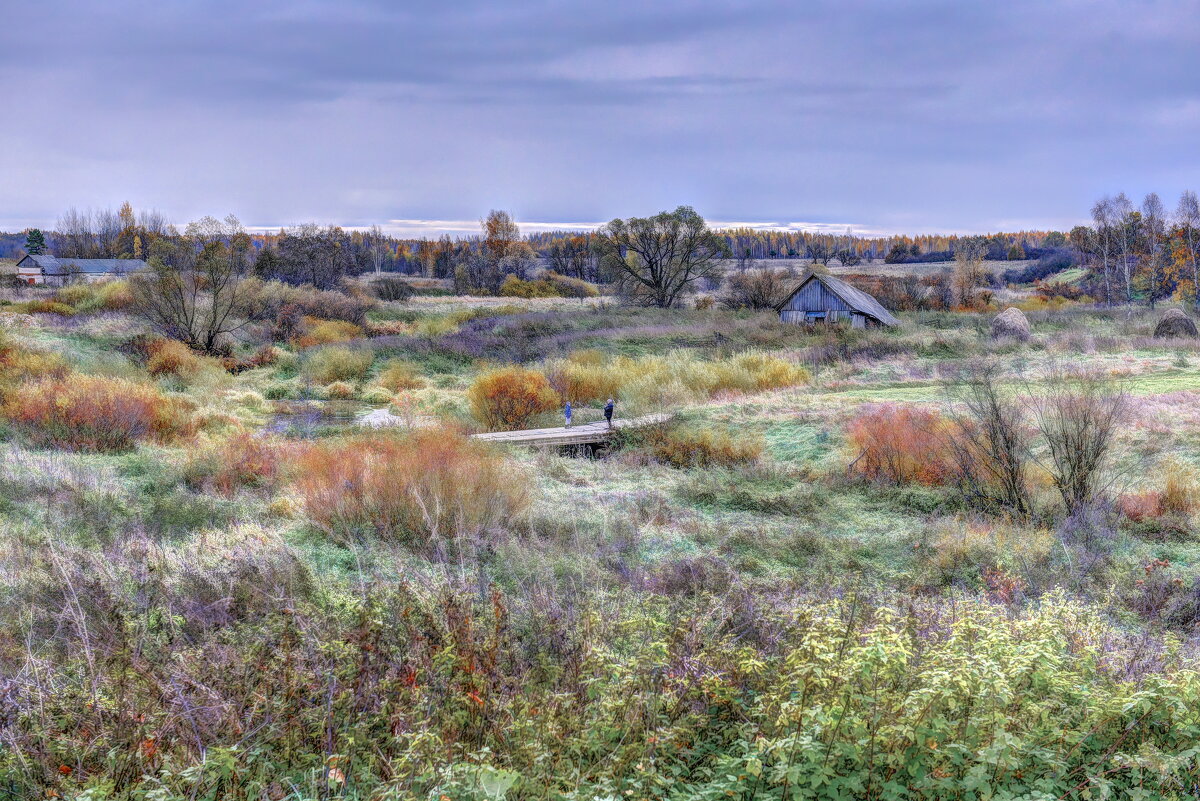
x=1010 y=323
x=1175 y=324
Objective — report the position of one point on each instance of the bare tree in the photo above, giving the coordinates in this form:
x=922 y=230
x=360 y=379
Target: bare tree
x=760 y=289
x=1078 y=415
x=191 y=289
x=73 y=234
x=1187 y=217
x=1102 y=239
x=656 y=259
x=1122 y=216
x=1154 y=230
x=991 y=442
x=969 y=276
x=377 y=247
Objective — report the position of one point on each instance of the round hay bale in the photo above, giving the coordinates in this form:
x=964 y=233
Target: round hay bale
x=1010 y=323
x=1175 y=324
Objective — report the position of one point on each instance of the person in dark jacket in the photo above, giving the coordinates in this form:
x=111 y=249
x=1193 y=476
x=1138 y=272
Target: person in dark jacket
x=567 y=414
x=608 y=410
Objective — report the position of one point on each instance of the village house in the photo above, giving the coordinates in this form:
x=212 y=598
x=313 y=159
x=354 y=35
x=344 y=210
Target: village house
x=58 y=271
x=823 y=299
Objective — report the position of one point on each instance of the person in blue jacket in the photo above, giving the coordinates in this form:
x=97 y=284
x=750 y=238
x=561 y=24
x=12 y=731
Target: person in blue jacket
x=567 y=414
x=608 y=410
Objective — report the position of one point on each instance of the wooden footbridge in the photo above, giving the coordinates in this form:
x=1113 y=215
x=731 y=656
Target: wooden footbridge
x=585 y=434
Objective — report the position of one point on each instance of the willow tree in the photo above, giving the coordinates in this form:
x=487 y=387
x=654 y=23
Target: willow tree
x=655 y=260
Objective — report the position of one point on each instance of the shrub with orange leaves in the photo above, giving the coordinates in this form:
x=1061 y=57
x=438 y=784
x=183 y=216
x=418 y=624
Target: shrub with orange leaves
x=94 y=413
x=19 y=364
x=327 y=332
x=506 y=398
x=902 y=444
x=429 y=487
x=172 y=357
x=242 y=460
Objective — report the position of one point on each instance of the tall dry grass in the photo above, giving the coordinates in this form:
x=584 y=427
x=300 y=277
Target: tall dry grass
x=672 y=378
x=429 y=488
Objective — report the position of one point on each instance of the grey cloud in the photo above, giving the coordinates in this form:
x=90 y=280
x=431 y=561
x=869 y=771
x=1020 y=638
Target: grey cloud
x=928 y=114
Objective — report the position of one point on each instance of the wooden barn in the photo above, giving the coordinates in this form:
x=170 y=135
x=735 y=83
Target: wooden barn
x=825 y=299
x=54 y=271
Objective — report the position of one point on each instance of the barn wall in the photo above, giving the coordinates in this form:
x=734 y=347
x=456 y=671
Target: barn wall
x=813 y=296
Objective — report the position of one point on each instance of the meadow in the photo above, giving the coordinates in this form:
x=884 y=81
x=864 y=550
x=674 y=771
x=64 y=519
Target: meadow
x=216 y=582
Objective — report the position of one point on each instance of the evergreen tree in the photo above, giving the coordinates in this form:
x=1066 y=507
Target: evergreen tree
x=35 y=242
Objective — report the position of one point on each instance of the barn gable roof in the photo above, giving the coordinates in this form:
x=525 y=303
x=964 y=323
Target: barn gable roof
x=53 y=265
x=856 y=299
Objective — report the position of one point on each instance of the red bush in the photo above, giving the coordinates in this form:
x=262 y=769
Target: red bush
x=242 y=460
x=80 y=412
x=901 y=444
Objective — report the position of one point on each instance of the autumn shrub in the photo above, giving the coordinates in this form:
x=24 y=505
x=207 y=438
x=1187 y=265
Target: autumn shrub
x=171 y=357
x=337 y=363
x=1167 y=510
x=901 y=444
x=340 y=390
x=94 y=413
x=398 y=375
x=431 y=487
x=49 y=307
x=19 y=364
x=506 y=398
x=326 y=332
x=243 y=460
x=569 y=287
x=685 y=446
x=93 y=297
x=514 y=287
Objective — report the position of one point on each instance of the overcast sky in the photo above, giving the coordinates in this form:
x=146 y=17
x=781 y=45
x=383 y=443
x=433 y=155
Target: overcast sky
x=943 y=115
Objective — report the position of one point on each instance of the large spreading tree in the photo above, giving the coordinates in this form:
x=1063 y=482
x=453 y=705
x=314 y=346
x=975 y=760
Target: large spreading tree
x=655 y=260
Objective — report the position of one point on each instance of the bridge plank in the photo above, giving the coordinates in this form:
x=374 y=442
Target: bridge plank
x=584 y=434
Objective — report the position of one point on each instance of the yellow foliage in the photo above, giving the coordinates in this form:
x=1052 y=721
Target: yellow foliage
x=678 y=375
x=327 y=332
x=508 y=397
x=398 y=375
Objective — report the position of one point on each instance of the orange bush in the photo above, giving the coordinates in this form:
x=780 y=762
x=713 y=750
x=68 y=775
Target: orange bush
x=508 y=397
x=429 y=487
x=242 y=460
x=327 y=332
x=1142 y=506
x=81 y=412
x=902 y=444
x=172 y=357
x=18 y=365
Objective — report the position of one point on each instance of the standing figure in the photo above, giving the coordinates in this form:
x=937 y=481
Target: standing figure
x=608 y=410
x=567 y=414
